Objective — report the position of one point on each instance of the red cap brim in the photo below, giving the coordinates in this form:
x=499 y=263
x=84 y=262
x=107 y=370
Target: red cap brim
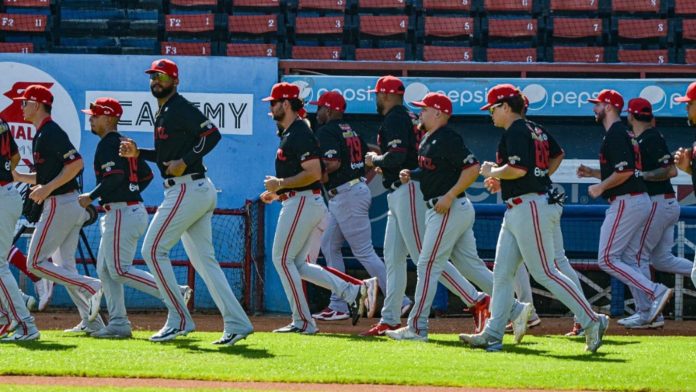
x=87 y=111
x=682 y=99
x=20 y=99
x=372 y=90
x=419 y=104
x=593 y=100
x=486 y=106
x=267 y=99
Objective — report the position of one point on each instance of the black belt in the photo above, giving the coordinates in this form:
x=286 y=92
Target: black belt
x=335 y=191
x=431 y=203
x=170 y=182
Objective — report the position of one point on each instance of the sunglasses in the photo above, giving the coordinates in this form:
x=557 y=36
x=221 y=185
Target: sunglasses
x=162 y=77
x=492 y=108
x=25 y=103
x=275 y=101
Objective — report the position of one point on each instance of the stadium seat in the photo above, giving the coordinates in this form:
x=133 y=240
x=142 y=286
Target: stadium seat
x=510 y=30
x=449 y=27
x=575 y=54
x=525 y=6
x=253 y=24
x=639 y=6
x=255 y=5
x=189 y=23
x=567 y=30
x=390 y=6
x=447 y=5
x=660 y=56
x=252 y=50
x=207 y=5
x=586 y=7
x=447 y=53
x=323 y=5
x=25 y=23
x=172 y=48
x=690 y=57
x=383 y=25
x=684 y=7
x=42 y=7
x=641 y=30
x=688 y=29
x=519 y=55
x=321 y=25
x=381 y=54
x=16 y=47
x=317 y=52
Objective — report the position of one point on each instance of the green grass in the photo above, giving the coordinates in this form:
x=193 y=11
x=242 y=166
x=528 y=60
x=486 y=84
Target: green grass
x=53 y=388
x=549 y=362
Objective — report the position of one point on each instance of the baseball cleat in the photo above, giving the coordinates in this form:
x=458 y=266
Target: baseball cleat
x=16 y=337
x=519 y=325
x=94 y=303
x=4 y=330
x=380 y=329
x=293 y=329
x=166 y=333
x=371 y=299
x=357 y=307
x=187 y=293
x=625 y=320
x=29 y=301
x=482 y=340
x=44 y=289
x=80 y=328
x=659 y=303
x=230 y=339
x=481 y=313
x=535 y=321
x=405 y=333
x=595 y=332
x=640 y=323
x=113 y=332
x=329 y=314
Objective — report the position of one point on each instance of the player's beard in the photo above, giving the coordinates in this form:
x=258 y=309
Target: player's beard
x=380 y=107
x=421 y=127
x=163 y=92
x=599 y=117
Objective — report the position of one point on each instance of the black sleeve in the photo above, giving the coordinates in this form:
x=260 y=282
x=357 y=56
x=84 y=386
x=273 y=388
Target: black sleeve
x=329 y=145
x=459 y=154
x=620 y=155
x=148 y=154
x=395 y=136
x=62 y=147
x=304 y=146
x=112 y=167
x=519 y=150
x=555 y=149
x=654 y=150
x=145 y=175
x=203 y=130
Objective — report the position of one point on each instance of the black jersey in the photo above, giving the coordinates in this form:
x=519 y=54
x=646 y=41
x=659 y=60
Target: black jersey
x=8 y=149
x=179 y=129
x=524 y=147
x=555 y=149
x=398 y=138
x=441 y=158
x=338 y=142
x=52 y=151
x=620 y=153
x=654 y=154
x=297 y=145
x=119 y=179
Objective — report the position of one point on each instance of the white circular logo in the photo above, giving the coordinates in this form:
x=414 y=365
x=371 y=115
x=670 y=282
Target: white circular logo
x=415 y=92
x=305 y=90
x=537 y=95
x=656 y=96
x=16 y=78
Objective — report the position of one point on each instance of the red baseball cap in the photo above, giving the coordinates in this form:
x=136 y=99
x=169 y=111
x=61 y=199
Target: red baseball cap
x=332 y=100
x=639 y=106
x=611 y=97
x=36 y=93
x=283 y=90
x=500 y=92
x=437 y=101
x=390 y=85
x=165 y=66
x=690 y=94
x=104 y=107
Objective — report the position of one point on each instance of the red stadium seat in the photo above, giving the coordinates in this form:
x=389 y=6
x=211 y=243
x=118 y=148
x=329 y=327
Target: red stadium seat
x=383 y=25
x=641 y=29
x=171 y=48
x=447 y=5
x=512 y=28
x=658 y=56
x=16 y=47
x=193 y=3
x=251 y=50
x=382 y=4
x=691 y=56
x=185 y=23
x=522 y=55
x=447 y=53
x=436 y=26
x=508 y=5
x=319 y=25
x=316 y=52
x=684 y=7
x=252 y=24
x=27 y=3
x=635 y=6
x=575 y=5
x=689 y=29
x=328 y=5
x=256 y=3
x=23 y=22
x=380 y=54
x=574 y=54
x=576 y=27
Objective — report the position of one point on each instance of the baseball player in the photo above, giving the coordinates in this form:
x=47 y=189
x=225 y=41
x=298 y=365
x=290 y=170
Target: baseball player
x=522 y=163
x=685 y=158
x=446 y=168
x=183 y=136
x=297 y=185
x=629 y=204
x=398 y=138
x=119 y=183
x=17 y=315
x=57 y=164
x=342 y=153
x=657 y=238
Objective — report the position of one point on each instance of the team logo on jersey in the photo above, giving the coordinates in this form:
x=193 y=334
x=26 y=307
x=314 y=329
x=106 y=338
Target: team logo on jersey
x=108 y=165
x=426 y=163
x=161 y=134
x=304 y=156
x=394 y=143
x=330 y=153
x=621 y=166
x=7 y=165
x=133 y=187
x=70 y=154
x=16 y=78
x=514 y=159
x=280 y=155
x=470 y=159
x=665 y=159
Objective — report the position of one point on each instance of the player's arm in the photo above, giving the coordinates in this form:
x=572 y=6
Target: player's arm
x=306 y=149
x=586 y=171
x=72 y=166
x=555 y=163
x=330 y=150
x=311 y=173
x=656 y=150
x=660 y=174
x=207 y=136
x=396 y=135
x=624 y=161
x=145 y=175
x=682 y=159
x=29 y=178
x=113 y=172
x=556 y=154
x=129 y=149
x=519 y=158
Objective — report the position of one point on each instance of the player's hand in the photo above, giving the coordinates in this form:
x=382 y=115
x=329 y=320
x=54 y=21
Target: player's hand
x=443 y=204
x=486 y=168
x=128 y=148
x=39 y=193
x=595 y=190
x=84 y=200
x=682 y=159
x=492 y=184
x=405 y=176
x=583 y=171
x=272 y=183
x=369 y=157
x=175 y=168
x=268 y=197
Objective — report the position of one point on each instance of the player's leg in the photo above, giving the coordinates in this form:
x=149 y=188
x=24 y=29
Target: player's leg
x=662 y=257
x=470 y=264
x=331 y=244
